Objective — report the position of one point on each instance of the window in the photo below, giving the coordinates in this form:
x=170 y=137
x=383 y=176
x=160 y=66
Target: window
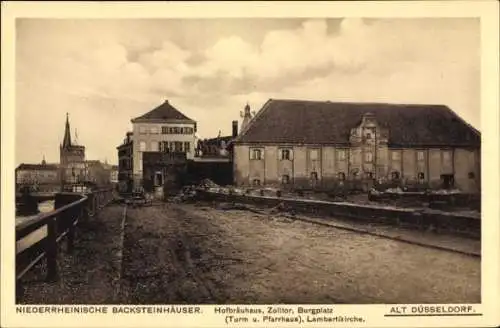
x=285 y=179
x=164 y=130
x=341 y=154
x=313 y=154
x=142 y=146
x=396 y=155
x=421 y=176
x=395 y=175
x=420 y=155
x=314 y=176
x=154 y=146
x=256 y=154
x=341 y=176
x=140 y=165
x=142 y=130
x=285 y=154
x=154 y=130
x=187 y=147
x=368 y=157
x=177 y=146
x=256 y=182
x=368 y=135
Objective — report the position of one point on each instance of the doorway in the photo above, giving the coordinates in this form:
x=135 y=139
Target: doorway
x=448 y=181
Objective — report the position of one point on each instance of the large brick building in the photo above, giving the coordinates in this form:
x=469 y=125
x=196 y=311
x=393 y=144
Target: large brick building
x=319 y=143
x=162 y=129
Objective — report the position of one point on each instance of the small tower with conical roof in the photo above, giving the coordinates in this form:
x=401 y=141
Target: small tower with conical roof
x=247 y=117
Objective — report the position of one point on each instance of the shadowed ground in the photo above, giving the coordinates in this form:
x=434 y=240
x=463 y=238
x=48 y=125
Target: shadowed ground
x=183 y=253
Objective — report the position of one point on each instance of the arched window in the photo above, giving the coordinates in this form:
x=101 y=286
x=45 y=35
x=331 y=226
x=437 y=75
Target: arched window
x=395 y=175
x=341 y=176
x=421 y=176
x=285 y=179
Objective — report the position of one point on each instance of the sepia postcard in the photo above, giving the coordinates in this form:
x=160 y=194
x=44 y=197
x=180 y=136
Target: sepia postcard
x=250 y=164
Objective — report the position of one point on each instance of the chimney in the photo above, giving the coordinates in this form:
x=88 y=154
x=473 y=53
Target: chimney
x=235 y=129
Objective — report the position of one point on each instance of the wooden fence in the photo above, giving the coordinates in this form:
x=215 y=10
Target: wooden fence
x=39 y=238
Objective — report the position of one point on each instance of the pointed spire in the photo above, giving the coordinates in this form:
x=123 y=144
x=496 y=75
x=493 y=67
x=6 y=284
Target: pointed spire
x=67 y=135
x=246 y=117
x=43 y=160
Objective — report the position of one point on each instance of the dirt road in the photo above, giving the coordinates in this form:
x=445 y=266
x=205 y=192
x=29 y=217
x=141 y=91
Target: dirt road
x=181 y=253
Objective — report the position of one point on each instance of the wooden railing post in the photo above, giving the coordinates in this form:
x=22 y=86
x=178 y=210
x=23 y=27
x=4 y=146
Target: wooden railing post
x=71 y=218
x=51 y=250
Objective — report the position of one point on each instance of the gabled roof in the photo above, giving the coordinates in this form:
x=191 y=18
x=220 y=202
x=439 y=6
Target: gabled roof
x=37 y=167
x=315 y=122
x=164 y=112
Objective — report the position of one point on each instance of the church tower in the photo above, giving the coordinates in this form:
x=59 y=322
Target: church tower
x=72 y=158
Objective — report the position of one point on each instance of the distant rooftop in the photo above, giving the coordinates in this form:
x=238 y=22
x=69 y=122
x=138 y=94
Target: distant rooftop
x=35 y=167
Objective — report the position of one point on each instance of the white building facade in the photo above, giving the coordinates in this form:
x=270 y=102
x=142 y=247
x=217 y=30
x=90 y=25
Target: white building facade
x=162 y=129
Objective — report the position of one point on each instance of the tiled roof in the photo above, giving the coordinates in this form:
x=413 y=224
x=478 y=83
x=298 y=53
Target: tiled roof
x=164 y=112
x=39 y=167
x=314 y=122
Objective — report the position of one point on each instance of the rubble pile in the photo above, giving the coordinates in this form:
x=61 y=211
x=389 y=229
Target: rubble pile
x=187 y=193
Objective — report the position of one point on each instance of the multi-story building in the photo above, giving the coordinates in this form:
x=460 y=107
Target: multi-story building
x=319 y=143
x=114 y=174
x=72 y=159
x=162 y=129
x=41 y=176
x=125 y=164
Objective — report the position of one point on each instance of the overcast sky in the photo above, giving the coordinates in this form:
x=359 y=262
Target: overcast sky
x=105 y=72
